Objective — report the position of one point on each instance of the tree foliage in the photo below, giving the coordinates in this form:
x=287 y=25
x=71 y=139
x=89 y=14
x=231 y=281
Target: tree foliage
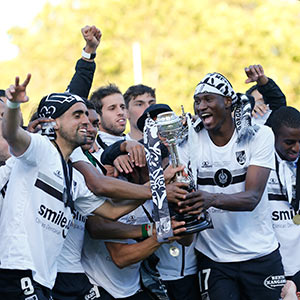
x=180 y=40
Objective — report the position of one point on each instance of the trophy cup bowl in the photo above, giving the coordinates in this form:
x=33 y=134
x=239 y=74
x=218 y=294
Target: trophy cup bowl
x=170 y=129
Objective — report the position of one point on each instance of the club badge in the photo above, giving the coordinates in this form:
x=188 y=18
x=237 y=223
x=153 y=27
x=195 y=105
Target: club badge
x=240 y=157
x=223 y=178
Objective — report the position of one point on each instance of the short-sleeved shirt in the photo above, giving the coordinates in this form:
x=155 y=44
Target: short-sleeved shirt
x=287 y=233
x=101 y=269
x=69 y=260
x=34 y=220
x=237 y=235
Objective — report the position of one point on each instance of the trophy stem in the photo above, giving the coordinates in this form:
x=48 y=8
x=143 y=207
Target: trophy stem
x=175 y=161
x=170 y=128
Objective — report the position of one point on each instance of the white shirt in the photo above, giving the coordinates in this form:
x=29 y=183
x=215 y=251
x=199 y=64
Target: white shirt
x=108 y=139
x=237 y=235
x=69 y=260
x=5 y=171
x=101 y=269
x=287 y=233
x=174 y=267
x=34 y=221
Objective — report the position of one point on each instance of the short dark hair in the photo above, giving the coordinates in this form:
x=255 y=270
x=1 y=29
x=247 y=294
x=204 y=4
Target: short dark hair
x=90 y=105
x=284 y=116
x=2 y=93
x=137 y=90
x=102 y=92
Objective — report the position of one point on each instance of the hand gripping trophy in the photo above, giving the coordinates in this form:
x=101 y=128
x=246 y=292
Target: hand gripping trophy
x=171 y=129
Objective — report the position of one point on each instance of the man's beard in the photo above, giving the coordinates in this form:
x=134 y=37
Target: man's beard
x=74 y=142
x=112 y=129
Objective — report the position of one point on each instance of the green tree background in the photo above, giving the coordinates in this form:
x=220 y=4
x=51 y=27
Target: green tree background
x=180 y=41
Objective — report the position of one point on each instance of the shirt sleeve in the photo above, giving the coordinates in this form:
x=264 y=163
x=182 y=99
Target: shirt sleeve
x=5 y=171
x=85 y=201
x=88 y=203
x=78 y=155
x=272 y=94
x=82 y=79
x=111 y=153
x=262 y=148
x=37 y=150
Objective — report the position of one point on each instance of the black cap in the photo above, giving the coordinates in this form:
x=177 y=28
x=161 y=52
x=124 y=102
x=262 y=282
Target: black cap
x=153 y=110
x=2 y=93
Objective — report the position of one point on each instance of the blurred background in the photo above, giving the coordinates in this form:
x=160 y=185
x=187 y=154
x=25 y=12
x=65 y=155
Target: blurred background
x=179 y=42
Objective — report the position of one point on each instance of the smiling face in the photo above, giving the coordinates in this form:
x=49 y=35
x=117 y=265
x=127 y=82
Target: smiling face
x=92 y=129
x=71 y=127
x=214 y=110
x=287 y=143
x=113 y=115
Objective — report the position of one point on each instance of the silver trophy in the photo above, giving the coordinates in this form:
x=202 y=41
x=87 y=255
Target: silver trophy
x=170 y=128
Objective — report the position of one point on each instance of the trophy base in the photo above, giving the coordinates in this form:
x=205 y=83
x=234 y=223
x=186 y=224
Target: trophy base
x=193 y=224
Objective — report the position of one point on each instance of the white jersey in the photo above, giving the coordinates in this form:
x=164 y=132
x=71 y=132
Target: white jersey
x=69 y=260
x=237 y=235
x=106 y=139
x=176 y=261
x=5 y=171
x=35 y=221
x=287 y=233
x=101 y=269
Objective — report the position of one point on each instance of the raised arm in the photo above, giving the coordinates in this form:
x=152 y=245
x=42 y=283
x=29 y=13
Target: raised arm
x=17 y=138
x=85 y=68
x=270 y=91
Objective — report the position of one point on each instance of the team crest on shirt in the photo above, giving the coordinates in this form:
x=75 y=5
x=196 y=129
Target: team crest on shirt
x=240 y=157
x=272 y=180
x=223 y=178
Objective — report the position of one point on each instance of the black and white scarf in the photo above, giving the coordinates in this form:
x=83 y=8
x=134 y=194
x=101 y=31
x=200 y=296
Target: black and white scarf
x=161 y=214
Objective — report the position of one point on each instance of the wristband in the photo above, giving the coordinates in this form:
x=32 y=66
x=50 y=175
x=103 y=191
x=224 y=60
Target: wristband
x=88 y=55
x=12 y=105
x=147 y=230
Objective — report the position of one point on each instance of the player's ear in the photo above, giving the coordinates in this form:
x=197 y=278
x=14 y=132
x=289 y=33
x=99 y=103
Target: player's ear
x=228 y=102
x=55 y=124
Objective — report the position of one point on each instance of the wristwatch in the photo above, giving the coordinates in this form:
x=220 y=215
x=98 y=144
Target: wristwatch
x=88 y=55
